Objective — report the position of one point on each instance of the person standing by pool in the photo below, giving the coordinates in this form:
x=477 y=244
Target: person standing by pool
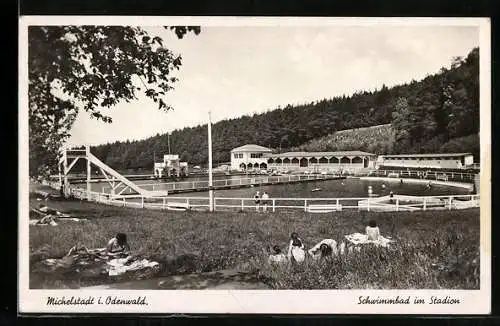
x=265 y=201
x=391 y=196
x=296 y=252
x=256 y=198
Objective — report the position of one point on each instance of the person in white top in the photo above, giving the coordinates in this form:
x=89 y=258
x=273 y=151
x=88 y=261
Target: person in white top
x=265 y=198
x=372 y=231
x=277 y=257
x=324 y=248
x=296 y=252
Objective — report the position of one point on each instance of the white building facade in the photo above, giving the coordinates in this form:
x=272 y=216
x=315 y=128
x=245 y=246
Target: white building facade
x=436 y=161
x=348 y=161
x=171 y=166
x=249 y=157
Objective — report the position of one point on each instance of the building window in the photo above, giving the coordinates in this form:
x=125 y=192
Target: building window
x=255 y=155
x=357 y=160
x=238 y=155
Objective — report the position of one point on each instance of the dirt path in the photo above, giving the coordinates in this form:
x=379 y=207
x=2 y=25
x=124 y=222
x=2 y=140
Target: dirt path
x=220 y=280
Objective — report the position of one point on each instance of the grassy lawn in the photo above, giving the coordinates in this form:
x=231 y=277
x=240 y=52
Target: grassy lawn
x=434 y=249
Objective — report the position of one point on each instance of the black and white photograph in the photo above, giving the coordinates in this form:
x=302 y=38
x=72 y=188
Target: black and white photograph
x=254 y=165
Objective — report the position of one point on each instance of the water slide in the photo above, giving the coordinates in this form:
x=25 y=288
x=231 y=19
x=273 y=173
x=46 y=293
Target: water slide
x=146 y=193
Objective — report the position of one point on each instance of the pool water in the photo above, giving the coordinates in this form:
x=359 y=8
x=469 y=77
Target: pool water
x=343 y=188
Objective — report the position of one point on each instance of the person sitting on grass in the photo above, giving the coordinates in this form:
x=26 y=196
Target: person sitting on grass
x=296 y=252
x=277 y=257
x=118 y=246
x=372 y=231
x=317 y=252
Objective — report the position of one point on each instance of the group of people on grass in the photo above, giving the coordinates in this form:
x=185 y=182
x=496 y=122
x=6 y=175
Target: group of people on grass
x=119 y=247
x=325 y=248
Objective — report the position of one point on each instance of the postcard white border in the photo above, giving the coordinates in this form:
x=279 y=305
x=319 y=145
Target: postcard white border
x=261 y=301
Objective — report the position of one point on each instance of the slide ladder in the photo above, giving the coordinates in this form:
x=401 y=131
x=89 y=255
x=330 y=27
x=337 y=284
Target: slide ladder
x=104 y=167
x=119 y=184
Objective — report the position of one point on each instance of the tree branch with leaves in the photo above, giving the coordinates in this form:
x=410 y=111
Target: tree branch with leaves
x=90 y=68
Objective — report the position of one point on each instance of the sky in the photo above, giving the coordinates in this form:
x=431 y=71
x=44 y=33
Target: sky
x=236 y=71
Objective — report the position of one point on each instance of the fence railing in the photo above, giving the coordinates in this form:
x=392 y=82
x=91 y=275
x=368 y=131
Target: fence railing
x=254 y=180
x=398 y=203
x=427 y=175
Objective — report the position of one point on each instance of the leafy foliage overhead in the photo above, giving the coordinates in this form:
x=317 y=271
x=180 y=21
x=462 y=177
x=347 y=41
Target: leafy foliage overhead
x=91 y=68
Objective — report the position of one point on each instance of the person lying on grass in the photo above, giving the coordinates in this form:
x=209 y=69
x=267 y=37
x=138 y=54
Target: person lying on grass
x=316 y=252
x=325 y=250
x=296 y=252
x=47 y=220
x=118 y=246
x=47 y=210
x=277 y=257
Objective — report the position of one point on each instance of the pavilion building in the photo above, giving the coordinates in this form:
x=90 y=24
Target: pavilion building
x=348 y=161
x=249 y=157
x=435 y=160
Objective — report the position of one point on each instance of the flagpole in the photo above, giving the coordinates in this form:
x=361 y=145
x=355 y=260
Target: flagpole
x=210 y=191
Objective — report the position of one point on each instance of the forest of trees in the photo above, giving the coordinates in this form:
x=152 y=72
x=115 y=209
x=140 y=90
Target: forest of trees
x=438 y=113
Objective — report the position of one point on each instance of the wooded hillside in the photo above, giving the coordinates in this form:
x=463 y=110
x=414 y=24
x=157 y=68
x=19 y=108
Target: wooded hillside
x=438 y=113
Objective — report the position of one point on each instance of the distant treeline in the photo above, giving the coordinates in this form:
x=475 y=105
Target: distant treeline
x=438 y=113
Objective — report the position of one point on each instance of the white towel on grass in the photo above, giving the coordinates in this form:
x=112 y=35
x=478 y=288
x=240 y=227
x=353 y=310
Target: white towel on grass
x=360 y=238
x=120 y=266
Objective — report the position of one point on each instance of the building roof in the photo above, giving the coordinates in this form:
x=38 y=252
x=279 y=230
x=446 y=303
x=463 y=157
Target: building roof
x=428 y=155
x=251 y=148
x=320 y=154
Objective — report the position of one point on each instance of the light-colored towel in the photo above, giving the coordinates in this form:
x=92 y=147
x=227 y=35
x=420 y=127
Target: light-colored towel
x=360 y=238
x=120 y=266
x=277 y=259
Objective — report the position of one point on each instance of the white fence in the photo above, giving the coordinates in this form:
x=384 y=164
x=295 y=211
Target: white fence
x=320 y=205
x=254 y=180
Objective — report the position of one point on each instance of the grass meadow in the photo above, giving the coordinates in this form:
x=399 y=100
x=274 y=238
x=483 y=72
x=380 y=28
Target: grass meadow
x=433 y=249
